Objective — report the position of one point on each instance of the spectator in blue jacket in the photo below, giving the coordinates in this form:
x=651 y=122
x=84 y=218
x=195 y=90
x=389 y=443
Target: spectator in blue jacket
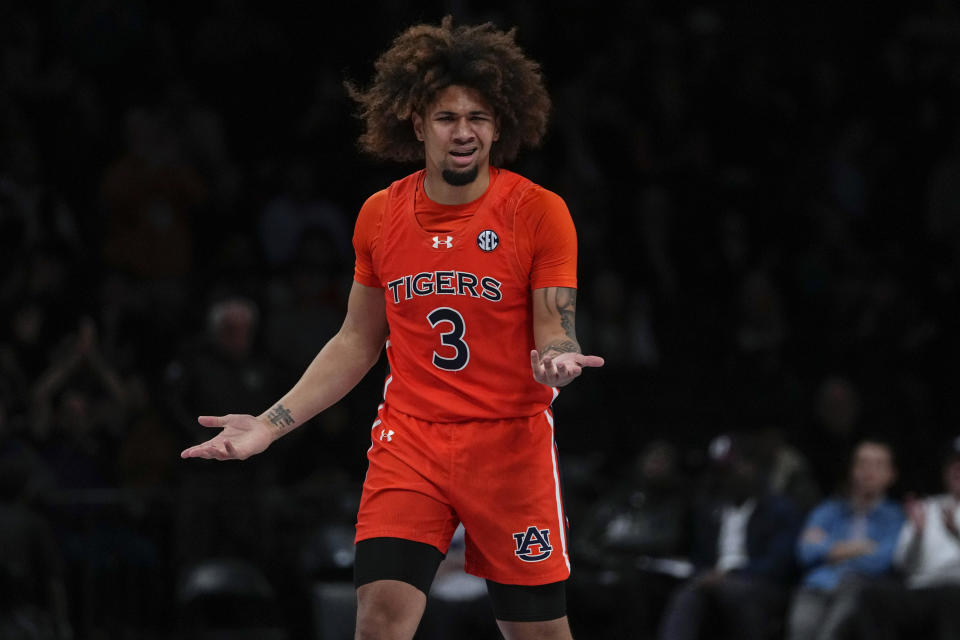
x=847 y=542
x=742 y=551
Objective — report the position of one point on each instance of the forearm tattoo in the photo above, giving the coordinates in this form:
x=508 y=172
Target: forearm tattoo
x=280 y=417
x=562 y=301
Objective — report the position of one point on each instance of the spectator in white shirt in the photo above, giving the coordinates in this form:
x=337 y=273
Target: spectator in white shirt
x=927 y=603
x=742 y=549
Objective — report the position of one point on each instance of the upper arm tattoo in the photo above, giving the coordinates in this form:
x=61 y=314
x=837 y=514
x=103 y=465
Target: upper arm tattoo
x=566 y=304
x=562 y=301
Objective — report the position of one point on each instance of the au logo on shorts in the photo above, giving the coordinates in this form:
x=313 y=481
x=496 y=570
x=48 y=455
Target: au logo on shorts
x=533 y=545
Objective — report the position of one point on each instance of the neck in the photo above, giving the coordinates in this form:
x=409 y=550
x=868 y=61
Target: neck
x=864 y=501
x=442 y=192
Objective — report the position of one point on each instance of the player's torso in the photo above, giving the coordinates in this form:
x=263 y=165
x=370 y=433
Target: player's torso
x=458 y=306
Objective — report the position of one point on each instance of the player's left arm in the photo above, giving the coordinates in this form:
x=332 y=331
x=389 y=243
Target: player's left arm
x=557 y=360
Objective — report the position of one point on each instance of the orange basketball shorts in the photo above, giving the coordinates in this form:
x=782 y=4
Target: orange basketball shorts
x=498 y=477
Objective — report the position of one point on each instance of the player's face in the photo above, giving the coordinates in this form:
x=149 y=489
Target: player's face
x=457 y=130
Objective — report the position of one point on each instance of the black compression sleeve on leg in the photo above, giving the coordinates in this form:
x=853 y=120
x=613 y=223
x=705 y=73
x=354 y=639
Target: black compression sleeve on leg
x=520 y=603
x=396 y=559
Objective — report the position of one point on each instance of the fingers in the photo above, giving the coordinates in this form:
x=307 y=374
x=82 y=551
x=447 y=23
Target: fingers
x=212 y=421
x=199 y=451
x=543 y=369
x=549 y=368
x=560 y=370
x=211 y=451
x=590 y=361
x=204 y=450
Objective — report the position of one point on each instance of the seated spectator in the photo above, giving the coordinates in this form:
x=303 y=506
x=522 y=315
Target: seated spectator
x=928 y=555
x=204 y=377
x=742 y=549
x=847 y=542
x=788 y=470
x=632 y=544
x=204 y=380
x=33 y=600
x=647 y=514
x=78 y=412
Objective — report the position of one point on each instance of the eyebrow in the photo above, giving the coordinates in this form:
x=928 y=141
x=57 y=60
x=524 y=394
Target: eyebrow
x=475 y=112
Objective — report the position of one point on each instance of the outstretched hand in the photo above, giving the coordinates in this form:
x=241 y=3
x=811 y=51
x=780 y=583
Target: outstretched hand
x=242 y=436
x=560 y=370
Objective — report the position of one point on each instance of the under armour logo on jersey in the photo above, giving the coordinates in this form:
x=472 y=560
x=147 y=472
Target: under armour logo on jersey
x=488 y=240
x=534 y=545
x=386 y=434
x=448 y=243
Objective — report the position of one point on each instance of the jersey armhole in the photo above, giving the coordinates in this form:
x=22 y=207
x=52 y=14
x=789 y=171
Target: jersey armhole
x=522 y=273
x=376 y=250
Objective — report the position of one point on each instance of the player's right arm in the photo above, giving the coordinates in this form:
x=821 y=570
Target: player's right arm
x=339 y=366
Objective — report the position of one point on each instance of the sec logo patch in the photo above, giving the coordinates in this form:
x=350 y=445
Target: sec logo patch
x=488 y=240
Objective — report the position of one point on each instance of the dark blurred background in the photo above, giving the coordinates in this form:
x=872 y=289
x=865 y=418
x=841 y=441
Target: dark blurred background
x=767 y=197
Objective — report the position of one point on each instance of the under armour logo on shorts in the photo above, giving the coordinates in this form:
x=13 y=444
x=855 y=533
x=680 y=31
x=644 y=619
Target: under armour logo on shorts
x=386 y=434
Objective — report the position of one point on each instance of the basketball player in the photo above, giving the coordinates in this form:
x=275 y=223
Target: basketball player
x=466 y=274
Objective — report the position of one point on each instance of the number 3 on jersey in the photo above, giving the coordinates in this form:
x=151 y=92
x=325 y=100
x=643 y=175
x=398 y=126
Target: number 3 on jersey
x=452 y=338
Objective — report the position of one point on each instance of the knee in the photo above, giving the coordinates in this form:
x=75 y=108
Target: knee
x=375 y=623
x=689 y=595
x=804 y=617
x=388 y=611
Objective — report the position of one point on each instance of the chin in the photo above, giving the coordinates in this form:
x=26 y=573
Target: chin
x=460 y=178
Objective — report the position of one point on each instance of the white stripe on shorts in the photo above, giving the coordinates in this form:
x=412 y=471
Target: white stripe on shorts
x=556 y=484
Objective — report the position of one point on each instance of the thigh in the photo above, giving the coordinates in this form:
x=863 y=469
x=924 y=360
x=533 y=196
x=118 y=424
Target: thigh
x=507 y=493
x=393 y=578
x=806 y=612
x=739 y=592
x=404 y=490
x=841 y=614
x=523 y=603
x=558 y=629
x=414 y=563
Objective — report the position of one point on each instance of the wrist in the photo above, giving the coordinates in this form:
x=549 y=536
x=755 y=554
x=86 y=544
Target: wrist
x=556 y=349
x=278 y=420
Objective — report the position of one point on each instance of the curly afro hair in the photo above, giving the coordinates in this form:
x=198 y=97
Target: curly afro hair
x=426 y=59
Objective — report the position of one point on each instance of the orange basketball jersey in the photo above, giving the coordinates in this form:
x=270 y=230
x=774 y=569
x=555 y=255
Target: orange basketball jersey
x=458 y=302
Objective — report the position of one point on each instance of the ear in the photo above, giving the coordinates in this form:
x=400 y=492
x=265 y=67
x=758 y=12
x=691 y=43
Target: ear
x=417 y=125
x=496 y=129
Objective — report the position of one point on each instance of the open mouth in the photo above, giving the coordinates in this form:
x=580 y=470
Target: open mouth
x=463 y=157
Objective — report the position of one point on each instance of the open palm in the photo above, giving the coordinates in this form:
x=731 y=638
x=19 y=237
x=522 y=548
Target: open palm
x=560 y=370
x=241 y=437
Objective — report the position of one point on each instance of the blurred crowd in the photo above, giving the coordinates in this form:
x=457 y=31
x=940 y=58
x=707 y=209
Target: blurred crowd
x=768 y=208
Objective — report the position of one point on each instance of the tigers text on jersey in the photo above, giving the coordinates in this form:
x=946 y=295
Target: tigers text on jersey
x=457 y=282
